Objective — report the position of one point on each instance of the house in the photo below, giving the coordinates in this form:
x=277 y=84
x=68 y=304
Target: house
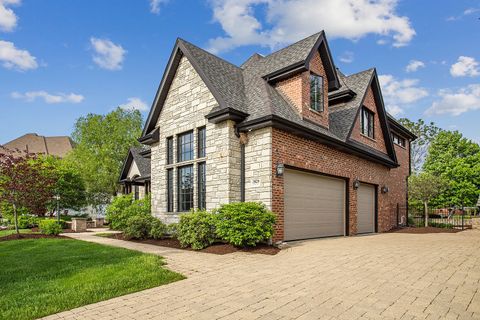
x=135 y=175
x=34 y=144
x=288 y=129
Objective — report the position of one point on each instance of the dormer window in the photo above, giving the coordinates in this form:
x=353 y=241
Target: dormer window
x=367 y=123
x=316 y=92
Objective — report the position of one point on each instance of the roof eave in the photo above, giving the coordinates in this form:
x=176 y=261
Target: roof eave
x=297 y=129
x=223 y=114
x=150 y=138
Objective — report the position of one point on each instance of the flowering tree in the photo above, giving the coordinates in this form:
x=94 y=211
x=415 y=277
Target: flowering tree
x=25 y=183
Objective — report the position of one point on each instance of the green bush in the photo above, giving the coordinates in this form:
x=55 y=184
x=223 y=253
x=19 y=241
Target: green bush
x=50 y=226
x=26 y=221
x=196 y=229
x=123 y=208
x=138 y=227
x=244 y=223
x=157 y=229
x=440 y=225
x=172 y=229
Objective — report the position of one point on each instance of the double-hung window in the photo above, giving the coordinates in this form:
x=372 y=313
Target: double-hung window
x=185 y=147
x=367 y=123
x=316 y=92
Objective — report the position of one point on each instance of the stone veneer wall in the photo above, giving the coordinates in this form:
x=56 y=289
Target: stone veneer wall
x=185 y=107
x=258 y=161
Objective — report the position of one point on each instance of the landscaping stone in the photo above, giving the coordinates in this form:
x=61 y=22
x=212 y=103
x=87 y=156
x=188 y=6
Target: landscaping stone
x=79 y=224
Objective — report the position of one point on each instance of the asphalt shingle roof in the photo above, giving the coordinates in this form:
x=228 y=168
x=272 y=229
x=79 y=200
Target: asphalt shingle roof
x=143 y=163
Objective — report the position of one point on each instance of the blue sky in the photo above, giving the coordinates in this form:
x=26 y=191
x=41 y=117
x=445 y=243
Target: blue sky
x=60 y=59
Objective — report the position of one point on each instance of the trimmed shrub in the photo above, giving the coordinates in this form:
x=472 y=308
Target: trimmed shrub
x=244 y=223
x=172 y=229
x=123 y=208
x=157 y=229
x=49 y=226
x=196 y=229
x=25 y=222
x=138 y=227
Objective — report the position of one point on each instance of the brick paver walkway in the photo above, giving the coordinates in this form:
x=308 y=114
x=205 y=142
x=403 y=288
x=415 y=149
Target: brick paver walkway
x=384 y=276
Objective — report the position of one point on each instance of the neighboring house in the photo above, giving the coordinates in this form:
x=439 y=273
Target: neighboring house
x=135 y=175
x=34 y=144
x=289 y=130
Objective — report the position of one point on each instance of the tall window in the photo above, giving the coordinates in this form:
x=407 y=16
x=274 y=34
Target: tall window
x=170 y=190
x=201 y=186
x=185 y=147
x=367 y=123
x=169 y=150
x=316 y=92
x=201 y=142
x=136 y=192
x=185 y=188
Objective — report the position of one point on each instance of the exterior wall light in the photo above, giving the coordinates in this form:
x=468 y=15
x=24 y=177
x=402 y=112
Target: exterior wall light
x=356 y=184
x=385 y=189
x=280 y=169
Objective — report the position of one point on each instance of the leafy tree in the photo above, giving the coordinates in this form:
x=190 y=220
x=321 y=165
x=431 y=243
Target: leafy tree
x=424 y=187
x=69 y=185
x=102 y=142
x=425 y=134
x=25 y=183
x=457 y=160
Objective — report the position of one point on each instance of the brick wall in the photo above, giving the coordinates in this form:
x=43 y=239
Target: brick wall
x=296 y=90
x=378 y=142
x=302 y=153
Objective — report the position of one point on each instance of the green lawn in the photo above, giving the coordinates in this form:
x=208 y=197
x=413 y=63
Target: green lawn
x=39 y=277
x=4 y=233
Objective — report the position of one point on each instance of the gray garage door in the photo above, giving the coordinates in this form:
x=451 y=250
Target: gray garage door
x=314 y=205
x=366 y=208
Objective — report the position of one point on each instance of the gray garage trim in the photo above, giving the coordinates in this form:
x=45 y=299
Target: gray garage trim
x=315 y=205
x=366 y=208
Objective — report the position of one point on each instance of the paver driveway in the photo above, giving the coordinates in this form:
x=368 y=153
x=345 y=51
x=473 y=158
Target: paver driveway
x=384 y=276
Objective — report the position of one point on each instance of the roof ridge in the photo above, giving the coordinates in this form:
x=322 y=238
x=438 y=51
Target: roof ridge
x=209 y=53
x=295 y=43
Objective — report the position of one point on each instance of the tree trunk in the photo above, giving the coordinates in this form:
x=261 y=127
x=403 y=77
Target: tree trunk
x=425 y=204
x=15 y=218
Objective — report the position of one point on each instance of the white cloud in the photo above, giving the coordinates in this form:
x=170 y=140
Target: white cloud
x=290 y=20
x=414 y=65
x=8 y=18
x=32 y=96
x=465 y=67
x=14 y=58
x=466 y=12
x=347 y=57
x=108 y=55
x=456 y=103
x=400 y=93
x=155 y=5
x=135 y=103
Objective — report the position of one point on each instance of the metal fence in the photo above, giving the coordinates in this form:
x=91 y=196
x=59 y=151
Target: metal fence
x=451 y=218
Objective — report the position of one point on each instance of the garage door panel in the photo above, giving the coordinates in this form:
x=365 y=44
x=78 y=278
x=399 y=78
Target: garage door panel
x=314 y=205
x=365 y=209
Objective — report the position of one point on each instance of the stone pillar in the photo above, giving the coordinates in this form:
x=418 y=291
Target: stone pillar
x=79 y=224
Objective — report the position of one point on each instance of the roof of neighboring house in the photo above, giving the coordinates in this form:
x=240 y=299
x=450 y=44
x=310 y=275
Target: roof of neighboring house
x=35 y=144
x=135 y=155
x=247 y=94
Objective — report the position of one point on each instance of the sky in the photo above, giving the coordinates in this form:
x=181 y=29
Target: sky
x=60 y=60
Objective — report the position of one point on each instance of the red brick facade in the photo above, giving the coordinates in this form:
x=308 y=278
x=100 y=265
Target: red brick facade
x=306 y=154
x=297 y=91
x=378 y=142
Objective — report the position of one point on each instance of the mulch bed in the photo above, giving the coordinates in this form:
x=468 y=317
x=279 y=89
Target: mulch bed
x=216 y=248
x=426 y=230
x=27 y=236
